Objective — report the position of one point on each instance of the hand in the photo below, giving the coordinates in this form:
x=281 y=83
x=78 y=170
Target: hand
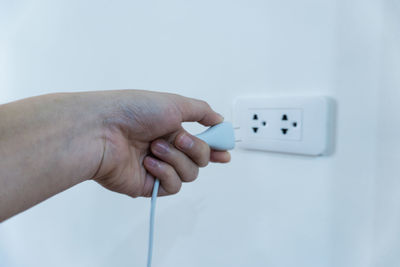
x=144 y=139
x=121 y=139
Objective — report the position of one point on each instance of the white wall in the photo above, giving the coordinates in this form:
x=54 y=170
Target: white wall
x=261 y=210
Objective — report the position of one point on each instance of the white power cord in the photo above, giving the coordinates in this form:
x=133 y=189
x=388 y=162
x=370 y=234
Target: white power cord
x=152 y=214
x=219 y=137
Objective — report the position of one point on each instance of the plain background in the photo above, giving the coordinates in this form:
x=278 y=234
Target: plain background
x=263 y=209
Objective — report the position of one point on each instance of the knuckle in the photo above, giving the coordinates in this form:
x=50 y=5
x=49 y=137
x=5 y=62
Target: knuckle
x=176 y=188
x=191 y=175
x=195 y=174
x=172 y=181
x=205 y=104
x=204 y=156
x=185 y=142
x=160 y=148
x=203 y=163
x=169 y=172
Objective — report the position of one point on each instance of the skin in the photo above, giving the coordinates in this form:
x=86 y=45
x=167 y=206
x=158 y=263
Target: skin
x=121 y=139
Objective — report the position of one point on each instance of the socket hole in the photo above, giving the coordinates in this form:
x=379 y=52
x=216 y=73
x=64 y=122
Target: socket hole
x=264 y=123
x=255 y=117
x=294 y=124
x=255 y=129
x=284 y=117
x=284 y=131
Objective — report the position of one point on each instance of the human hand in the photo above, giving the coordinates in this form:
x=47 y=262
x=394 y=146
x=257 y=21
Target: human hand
x=143 y=139
x=121 y=139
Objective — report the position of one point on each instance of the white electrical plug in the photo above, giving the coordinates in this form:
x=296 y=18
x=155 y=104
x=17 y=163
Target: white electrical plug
x=218 y=137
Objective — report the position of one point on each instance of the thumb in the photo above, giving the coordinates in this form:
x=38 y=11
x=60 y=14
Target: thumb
x=198 y=110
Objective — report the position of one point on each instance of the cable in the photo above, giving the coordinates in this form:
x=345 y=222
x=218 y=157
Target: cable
x=152 y=215
x=220 y=137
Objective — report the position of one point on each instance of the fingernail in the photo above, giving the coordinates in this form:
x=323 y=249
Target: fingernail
x=185 y=142
x=161 y=148
x=152 y=162
x=222 y=117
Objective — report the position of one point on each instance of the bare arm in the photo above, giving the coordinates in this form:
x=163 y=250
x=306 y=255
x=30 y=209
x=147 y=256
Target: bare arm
x=52 y=142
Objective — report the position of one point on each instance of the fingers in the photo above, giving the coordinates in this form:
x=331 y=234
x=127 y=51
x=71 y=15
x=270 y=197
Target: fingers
x=220 y=156
x=198 y=110
x=183 y=165
x=169 y=179
x=194 y=148
x=179 y=162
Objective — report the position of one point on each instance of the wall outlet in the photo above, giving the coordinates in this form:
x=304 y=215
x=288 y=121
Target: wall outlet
x=300 y=125
x=278 y=124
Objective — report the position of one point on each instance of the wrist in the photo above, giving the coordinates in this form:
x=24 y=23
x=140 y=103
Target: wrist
x=84 y=134
x=47 y=144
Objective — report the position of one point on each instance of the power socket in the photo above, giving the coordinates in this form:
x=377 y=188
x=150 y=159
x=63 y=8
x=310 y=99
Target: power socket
x=278 y=124
x=300 y=125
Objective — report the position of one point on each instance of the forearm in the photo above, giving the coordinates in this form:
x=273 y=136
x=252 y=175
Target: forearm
x=47 y=144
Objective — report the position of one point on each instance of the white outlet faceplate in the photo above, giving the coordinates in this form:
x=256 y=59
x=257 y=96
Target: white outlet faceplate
x=299 y=125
